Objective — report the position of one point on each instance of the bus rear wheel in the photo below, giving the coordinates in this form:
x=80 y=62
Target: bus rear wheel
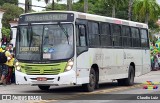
x=130 y=80
x=44 y=87
x=89 y=87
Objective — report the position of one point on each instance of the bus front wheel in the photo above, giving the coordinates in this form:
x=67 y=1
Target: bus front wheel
x=44 y=87
x=89 y=87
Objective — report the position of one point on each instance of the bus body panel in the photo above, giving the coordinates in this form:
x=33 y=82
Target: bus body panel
x=19 y=78
x=30 y=72
x=66 y=78
x=112 y=63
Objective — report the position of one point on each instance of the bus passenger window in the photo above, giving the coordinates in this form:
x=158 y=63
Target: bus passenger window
x=81 y=36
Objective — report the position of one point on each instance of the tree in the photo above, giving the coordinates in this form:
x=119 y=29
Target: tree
x=115 y=4
x=69 y=5
x=82 y=6
x=12 y=12
x=146 y=10
x=8 y=1
x=53 y=3
x=85 y=6
x=56 y=6
x=130 y=9
x=6 y=31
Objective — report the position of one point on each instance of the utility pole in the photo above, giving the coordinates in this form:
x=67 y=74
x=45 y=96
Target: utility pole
x=28 y=5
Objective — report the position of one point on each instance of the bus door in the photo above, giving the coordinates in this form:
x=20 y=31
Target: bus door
x=146 y=61
x=145 y=51
x=81 y=52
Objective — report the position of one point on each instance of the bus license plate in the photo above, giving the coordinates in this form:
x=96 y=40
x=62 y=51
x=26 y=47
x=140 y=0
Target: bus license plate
x=41 y=79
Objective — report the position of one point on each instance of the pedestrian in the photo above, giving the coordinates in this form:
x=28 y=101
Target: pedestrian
x=10 y=46
x=10 y=69
x=5 y=56
x=156 y=66
x=152 y=61
x=4 y=40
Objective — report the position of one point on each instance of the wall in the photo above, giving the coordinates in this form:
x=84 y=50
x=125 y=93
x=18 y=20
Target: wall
x=1 y=15
x=14 y=31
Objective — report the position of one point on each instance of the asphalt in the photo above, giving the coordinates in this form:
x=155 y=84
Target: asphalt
x=107 y=93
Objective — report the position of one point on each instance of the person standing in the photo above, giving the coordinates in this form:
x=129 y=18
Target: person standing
x=4 y=40
x=152 y=61
x=4 y=63
x=10 y=70
x=156 y=66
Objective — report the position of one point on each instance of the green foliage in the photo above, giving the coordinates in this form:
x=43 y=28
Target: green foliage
x=79 y=6
x=145 y=10
x=12 y=12
x=5 y=31
x=8 y=1
x=52 y=5
x=57 y=7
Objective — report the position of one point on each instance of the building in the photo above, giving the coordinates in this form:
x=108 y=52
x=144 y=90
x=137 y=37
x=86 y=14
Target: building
x=1 y=15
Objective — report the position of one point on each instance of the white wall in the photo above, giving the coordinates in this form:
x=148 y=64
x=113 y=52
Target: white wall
x=14 y=32
x=1 y=15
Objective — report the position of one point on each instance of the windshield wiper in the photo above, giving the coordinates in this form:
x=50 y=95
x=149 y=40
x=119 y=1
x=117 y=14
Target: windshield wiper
x=65 y=32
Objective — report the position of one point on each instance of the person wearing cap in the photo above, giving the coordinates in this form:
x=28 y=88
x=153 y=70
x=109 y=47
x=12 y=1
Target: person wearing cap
x=4 y=66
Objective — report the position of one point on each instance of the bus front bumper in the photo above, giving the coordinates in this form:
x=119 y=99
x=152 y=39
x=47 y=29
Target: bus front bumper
x=66 y=78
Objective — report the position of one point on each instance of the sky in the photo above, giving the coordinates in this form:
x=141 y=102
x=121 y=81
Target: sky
x=42 y=3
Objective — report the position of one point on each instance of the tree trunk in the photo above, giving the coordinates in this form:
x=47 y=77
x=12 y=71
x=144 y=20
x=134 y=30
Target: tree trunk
x=52 y=4
x=26 y=6
x=85 y=6
x=113 y=11
x=147 y=18
x=69 y=5
x=130 y=10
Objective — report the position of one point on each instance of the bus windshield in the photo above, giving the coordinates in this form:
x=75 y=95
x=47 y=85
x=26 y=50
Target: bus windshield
x=45 y=42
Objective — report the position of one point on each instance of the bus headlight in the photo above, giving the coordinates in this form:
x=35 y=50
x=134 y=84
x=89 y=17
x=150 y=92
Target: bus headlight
x=17 y=66
x=68 y=68
x=69 y=65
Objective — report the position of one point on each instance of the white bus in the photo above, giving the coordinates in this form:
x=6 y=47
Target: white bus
x=73 y=48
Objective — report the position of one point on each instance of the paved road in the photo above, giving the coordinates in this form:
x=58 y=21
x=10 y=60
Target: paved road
x=76 y=94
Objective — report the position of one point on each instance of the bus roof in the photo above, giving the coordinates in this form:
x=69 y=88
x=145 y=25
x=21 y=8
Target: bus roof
x=99 y=18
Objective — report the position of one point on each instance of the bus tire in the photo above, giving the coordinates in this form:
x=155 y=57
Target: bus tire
x=130 y=80
x=89 y=87
x=44 y=87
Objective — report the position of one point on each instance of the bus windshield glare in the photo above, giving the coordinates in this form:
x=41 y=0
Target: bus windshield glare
x=45 y=42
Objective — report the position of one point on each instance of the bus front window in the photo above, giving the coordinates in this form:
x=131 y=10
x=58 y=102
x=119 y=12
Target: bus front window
x=56 y=45
x=45 y=42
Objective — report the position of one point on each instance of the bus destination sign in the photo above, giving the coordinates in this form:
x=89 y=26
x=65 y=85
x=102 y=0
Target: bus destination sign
x=47 y=17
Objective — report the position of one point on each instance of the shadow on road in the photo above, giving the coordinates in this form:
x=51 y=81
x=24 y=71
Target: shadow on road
x=74 y=89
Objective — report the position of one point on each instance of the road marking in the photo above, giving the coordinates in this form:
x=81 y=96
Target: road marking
x=94 y=92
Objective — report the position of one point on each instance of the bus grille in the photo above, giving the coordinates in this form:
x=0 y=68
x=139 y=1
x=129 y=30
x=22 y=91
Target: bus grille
x=41 y=71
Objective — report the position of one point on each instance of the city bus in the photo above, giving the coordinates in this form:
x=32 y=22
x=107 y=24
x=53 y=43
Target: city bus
x=55 y=48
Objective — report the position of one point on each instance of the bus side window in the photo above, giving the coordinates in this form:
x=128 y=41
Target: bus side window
x=81 y=36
